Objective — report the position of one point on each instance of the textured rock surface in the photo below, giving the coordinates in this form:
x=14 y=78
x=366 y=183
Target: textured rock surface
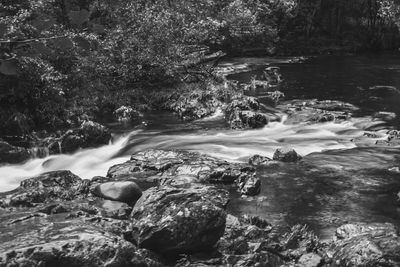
x=363 y=244
x=39 y=240
x=173 y=220
x=124 y=191
x=89 y=134
x=286 y=155
x=244 y=113
x=317 y=111
x=45 y=188
x=180 y=167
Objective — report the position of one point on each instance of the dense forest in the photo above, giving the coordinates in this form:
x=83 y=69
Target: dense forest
x=64 y=59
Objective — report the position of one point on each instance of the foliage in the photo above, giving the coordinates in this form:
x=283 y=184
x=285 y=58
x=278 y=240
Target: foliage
x=60 y=59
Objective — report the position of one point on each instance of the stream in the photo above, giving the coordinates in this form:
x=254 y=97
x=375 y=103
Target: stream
x=338 y=181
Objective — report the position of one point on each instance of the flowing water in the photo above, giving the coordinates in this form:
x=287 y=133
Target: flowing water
x=339 y=179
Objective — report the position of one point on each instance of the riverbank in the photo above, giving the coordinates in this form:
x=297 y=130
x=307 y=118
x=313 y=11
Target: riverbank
x=198 y=191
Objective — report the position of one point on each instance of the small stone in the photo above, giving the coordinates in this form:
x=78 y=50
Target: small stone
x=286 y=155
x=128 y=192
x=259 y=160
x=310 y=260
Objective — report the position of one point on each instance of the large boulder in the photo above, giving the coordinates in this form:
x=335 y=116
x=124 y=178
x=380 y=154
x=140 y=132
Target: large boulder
x=89 y=134
x=180 y=167
x=376 y=244
x=41 y=240
x=46 y=188
x=12 y=154
x=244 y=113
x=124 y=191
x=172 y=220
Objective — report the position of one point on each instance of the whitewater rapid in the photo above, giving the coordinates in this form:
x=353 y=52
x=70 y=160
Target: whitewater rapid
x=234 y=146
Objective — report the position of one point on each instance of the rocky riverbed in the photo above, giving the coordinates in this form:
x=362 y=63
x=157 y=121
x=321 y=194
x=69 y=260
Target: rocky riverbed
x=239 y=181
x=180 y=218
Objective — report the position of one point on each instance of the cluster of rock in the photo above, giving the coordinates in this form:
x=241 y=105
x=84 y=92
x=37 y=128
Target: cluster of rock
x=58 y=219
x=245 y=112
x=392 y=139
x=316 y=111
x=181 y=168
x=89 y=134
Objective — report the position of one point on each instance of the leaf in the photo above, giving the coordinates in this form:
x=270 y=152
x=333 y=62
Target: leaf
x=63 y=43
x=39 y=48
x=98 y=28
x=82 y=42
x=42 y=24
x=9 y=67
x=79 y=17
x=3 y=29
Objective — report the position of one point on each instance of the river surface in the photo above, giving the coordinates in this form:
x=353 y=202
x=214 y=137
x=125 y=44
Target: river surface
x=339 y=180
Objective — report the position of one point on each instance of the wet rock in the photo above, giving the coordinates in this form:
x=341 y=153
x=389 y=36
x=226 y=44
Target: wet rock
x=310 y=260
x=286 y=155
x=127 y=191
x=271 y=98
x=114 y=209
x=363 y=244
x=315 y=111
x=127 y=113
x=251 y=240
x=173 y=220
x=250 y=186
x=393 y=139
x=179 y=167
x=259 y=160
x=244 y=119
x=45 y=188
x=89 y=134
x=56 y=241
x=373 y=230
x=244 y=113
x=11 y=154
x=385 y=116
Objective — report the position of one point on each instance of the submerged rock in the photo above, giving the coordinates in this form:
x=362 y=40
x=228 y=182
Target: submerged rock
x=172 y=220
x=286 y=155
x=376 y=244
x=124 y=191
x=259 y=160
x=12 y=154
x=45 y=188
